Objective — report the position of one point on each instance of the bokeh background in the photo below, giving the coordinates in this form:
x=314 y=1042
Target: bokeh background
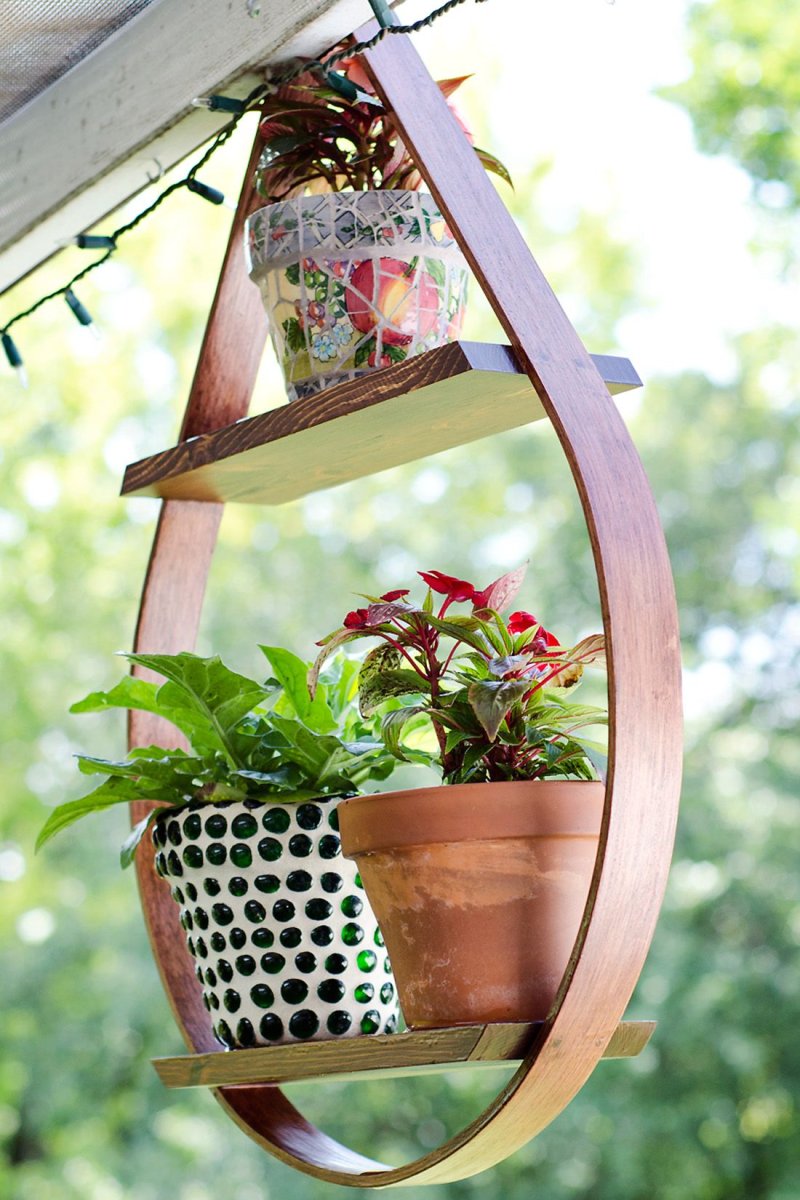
x=656 y=155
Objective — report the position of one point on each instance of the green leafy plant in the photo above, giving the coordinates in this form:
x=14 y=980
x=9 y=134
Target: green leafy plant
x=496 y=691
x=316 y=139
x=249 y=740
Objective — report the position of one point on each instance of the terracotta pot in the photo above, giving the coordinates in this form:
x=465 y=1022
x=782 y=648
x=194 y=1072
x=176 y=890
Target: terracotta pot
x=479 y=890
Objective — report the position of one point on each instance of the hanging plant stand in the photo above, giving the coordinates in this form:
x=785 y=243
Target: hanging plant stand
x=279 y=456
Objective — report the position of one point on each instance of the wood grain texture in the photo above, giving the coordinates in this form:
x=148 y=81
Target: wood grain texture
x=640 y=622
x=415 y=1053
x=175 y=583
x=447 y=397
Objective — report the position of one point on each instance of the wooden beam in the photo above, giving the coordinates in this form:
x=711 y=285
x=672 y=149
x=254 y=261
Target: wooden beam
x=99 y=133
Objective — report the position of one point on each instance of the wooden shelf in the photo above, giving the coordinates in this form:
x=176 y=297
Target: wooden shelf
x=416 y=1053
x=445 y=398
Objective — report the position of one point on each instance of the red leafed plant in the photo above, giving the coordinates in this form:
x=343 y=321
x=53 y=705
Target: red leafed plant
x=494 y=689
x=316 y=140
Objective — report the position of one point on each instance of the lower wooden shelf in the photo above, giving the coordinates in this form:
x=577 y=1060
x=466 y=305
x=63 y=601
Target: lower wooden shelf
x=417 y=1053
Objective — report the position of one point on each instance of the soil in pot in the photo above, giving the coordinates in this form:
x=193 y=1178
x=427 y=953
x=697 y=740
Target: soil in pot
x=480 y=890
x=285 y=942
x=355 y=281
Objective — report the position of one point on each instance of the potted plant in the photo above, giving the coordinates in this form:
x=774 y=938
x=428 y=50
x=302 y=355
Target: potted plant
x=356 y=266
x=479 y=886
x=246 y=834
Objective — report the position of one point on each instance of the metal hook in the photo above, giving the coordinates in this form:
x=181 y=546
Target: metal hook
x=160 y=170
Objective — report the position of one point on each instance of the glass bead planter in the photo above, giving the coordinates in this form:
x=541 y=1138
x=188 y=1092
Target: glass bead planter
x=355 y=281
x=285 y=943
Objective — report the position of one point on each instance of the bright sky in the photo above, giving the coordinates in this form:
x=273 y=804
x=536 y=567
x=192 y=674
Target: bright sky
x=576 y=82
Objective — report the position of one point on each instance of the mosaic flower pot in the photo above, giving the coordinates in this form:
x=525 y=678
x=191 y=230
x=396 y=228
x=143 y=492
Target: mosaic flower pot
x=480 y=889
x=355 y=281
x=286 y=945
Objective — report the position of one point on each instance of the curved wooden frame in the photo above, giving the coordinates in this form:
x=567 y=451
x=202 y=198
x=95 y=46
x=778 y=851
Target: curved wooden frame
x=640 y=624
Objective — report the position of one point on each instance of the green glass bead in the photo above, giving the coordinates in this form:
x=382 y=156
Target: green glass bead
x=241 y=855
x=262 y=996
x=270 y=849
x=273 y=964
x=308 y=816
x=352 y=934
x=271 y=1027
x=294 y=991
x=244 y=826
x=193 y=826
x=276 y=820
x=371 y=1021
x=216 y=826
x=303 y=1024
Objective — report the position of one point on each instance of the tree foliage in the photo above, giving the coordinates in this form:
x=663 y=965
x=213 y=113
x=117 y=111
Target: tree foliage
x=743 y=94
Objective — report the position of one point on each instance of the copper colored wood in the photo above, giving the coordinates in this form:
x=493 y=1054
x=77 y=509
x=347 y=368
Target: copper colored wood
x=447 y=397
x=644 y=681
x=415 y=1053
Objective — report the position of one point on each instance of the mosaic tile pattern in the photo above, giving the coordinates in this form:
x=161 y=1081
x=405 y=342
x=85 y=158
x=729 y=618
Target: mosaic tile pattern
x=285 y=943
x=355 y=281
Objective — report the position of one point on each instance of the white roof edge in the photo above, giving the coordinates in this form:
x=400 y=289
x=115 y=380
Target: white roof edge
x=96 y=136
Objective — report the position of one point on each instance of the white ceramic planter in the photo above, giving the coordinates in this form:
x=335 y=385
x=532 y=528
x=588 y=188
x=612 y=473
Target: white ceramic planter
x=286 y=945
x=355 y=281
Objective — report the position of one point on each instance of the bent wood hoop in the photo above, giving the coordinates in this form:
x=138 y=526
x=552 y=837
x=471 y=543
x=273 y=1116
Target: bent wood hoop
x=640 y=624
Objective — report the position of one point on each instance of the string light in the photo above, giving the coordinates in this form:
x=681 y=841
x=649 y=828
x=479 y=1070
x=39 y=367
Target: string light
x=94 y=241
x=211 y=194
x=82 y=314
x=220 y=104
x=14 y=358
x=237 y=109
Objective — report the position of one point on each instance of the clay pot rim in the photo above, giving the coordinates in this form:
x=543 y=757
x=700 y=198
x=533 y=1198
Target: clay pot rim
x=469 y=812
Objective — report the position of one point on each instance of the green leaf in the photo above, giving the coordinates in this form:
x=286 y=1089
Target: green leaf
x=292 y=273
x=392 y=727
x=493 y=164
x=331 y=644
x=205 y=686
x=363 y=352
x=461 y=629
x=130 y=692
x=293 y=332
x=491 y=701
x=437 y=271
x=113 y=791
x=129 y=846
x=292 y=674
x=382 y=677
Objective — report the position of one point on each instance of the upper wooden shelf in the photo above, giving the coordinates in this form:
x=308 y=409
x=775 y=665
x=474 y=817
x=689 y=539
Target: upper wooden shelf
x=415 y=1053
x=445 y=398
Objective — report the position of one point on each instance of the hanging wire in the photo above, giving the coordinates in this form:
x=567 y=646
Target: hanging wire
x=239 y=109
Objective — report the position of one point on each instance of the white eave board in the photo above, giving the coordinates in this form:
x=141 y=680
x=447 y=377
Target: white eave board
x=96 y=136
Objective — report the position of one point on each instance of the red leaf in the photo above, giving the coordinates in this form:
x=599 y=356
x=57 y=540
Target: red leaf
x=499 y=595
